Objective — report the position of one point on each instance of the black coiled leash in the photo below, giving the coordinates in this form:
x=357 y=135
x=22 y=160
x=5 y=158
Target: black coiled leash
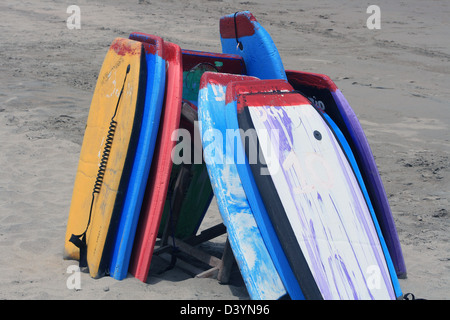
x=410 y=296
x=80 y=240
x=239 y=44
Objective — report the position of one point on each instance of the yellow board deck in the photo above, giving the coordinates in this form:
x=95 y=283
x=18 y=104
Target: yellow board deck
x=107 y=154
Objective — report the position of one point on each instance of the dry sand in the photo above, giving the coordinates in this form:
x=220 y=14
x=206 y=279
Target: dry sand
x=396 y=79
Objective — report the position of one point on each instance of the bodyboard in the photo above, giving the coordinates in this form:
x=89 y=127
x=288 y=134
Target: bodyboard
x=241 y=34
x=310 y=192
x=199 y=193
x=258 y=271
x=107 y=155
x=322 y=92
x=156 y=74
x=158 y=181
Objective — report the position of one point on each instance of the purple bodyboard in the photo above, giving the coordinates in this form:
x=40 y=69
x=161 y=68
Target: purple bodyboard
x=321 y=90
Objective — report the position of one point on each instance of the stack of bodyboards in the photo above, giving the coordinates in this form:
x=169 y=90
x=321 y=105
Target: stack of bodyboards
x=283 y=153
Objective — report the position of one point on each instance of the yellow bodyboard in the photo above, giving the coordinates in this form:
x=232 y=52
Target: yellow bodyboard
x=107 y=152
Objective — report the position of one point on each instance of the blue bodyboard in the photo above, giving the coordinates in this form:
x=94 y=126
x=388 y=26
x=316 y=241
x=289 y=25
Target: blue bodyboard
x=149 y=130
x=241 y=34
x=258 y=271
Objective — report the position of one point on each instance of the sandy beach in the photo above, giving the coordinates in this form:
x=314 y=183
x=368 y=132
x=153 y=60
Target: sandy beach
x=395 y=78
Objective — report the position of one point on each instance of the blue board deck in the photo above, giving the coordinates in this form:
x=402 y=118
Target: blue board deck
x=241 y=34
x=258 y=271
x=144 y=153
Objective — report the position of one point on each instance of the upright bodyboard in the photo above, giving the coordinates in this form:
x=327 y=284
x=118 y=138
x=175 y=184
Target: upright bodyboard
x=312 y=196
x=241 y=34
x=322 y=92
x=156 y=75
x=107 y=156
x=199 y=193
x=258 y=271
x=158 y=181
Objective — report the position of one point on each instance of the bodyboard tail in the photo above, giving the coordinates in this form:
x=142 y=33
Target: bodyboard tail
x=241 y=34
